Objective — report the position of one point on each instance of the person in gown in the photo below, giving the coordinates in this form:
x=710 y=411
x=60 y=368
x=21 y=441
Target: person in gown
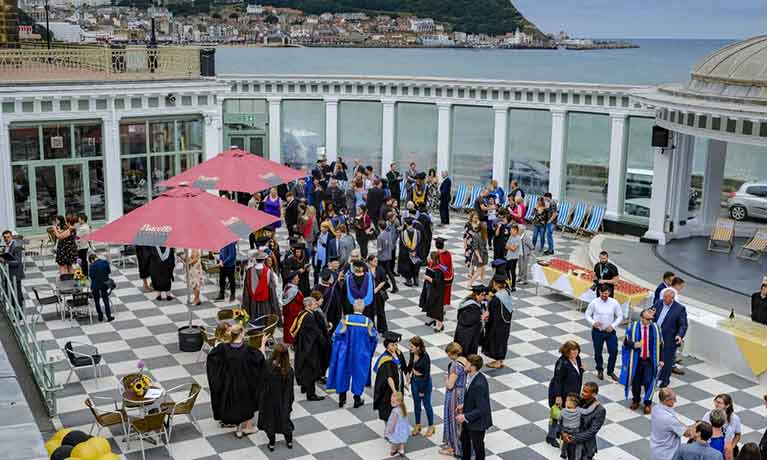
x=390 y=371
x=641 y=359
x=471 y=313
x=423 y=220
x=161 y=265
x=276 y=401
x=359 y=284
x=298 y=262
x=272 y=205
x=327 y=334
x=455 y=388
x=235 y=379
x=335 y=300
x=354 y=342
x=431 y=300
x=408 y=261
x=377 y=311
x=498 y=325
x=309 y=334
x=259 y=295
x=143 y=258
x=292 y=303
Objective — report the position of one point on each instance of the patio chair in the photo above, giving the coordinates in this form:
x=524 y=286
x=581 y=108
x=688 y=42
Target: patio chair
x=532 y=199
x=459 y=199
x=126 y=256
x=208 y=342
x=596 y=221
x=80 y=355
x=266 y=324
x=579 y=215
x=183 y=407
x=254 y=338
x=79 y=305
x=722 y=237
x=403 y=191
x=756 y=246
x=564 y=213
x=224 y=314
x=147 y=426
x=66 y=277
x=475 y=191
x=51 y=241
x=103 y=418
x=42 y=302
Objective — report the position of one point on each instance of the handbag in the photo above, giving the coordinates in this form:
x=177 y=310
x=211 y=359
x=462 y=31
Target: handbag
x=110 y=284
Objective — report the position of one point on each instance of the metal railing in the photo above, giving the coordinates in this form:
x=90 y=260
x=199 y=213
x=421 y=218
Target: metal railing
x=24 y=331
x=127 y=63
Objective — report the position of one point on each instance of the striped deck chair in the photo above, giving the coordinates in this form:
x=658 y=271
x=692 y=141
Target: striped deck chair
x=756 y=246
x=579 y=215
x=459 y=198
x=564 y=213
x=596 y=218
x=475 y=190
x=531 y=200
x=403 y=194
x=722 y=237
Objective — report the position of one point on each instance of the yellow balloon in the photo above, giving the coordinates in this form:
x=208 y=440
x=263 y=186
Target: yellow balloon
x=100 y=445
x=86 y=450
x=61 y=433
x=52 y=445
x=109 y=456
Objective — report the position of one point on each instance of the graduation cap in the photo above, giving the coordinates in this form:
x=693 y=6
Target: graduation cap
x=479 y=289
x=421 y=175
x=326 y=275
x=292 y=274
x=358 y=265
x=500 y=277
x=262 y=241
x=439 y=242
x=333 y=259
x=408 y=220
x=298 y=245
x=391 y=337
x=499 y=263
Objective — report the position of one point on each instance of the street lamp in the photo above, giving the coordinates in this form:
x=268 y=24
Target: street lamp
x=47 y=24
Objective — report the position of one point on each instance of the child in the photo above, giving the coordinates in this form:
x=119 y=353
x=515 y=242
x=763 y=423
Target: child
x=718 y=419
x=570 y=423
x=397 y=427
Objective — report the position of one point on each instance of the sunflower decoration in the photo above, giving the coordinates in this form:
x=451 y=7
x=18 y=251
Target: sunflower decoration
x=141 y=384
x=240 y=315
x=79 y=275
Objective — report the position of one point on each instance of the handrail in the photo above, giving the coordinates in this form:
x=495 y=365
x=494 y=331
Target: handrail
x=24 y=332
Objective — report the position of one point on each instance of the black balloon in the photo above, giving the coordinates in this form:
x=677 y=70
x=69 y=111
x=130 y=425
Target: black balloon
x=63 y=452
x=74 y=438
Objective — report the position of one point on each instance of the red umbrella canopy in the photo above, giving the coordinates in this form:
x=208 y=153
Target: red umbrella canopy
x=235 y=170
x=184 y=217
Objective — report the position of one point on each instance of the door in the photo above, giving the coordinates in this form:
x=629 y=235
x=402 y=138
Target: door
x=252 y=143
x=256 y=144
x=45 y=201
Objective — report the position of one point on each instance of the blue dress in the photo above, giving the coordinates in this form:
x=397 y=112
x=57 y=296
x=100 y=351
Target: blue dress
x=401 y=431
x=454 y=398
x=273 y=207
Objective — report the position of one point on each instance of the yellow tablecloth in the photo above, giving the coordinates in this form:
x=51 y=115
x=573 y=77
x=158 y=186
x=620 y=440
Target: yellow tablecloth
x=751 y=338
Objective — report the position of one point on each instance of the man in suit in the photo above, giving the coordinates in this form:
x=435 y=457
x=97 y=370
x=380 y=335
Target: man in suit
x=444 y=199
x=671 y=317
x=393 y=177
x=99 y=274
x=475 y=413
x=14 y=262
x=291 y=214
x=375 y=200
x=668 y=277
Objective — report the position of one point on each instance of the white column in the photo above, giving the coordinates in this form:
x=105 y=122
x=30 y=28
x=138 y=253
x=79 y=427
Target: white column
x=558 y=146
x=275 y=129
x=331 y=129
x=616 y=180
x=443 y=136
x=112 y=166
x=7 y=214
x=713 y=180
x=213 y=135
x=661 y=187
x=500 y=170
x=680 y=177
x=387 y=141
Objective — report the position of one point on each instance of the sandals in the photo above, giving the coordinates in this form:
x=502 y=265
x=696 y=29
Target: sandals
x=447 y=451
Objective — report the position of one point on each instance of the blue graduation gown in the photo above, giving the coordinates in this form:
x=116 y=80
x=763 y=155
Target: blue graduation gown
x=630 y=357
x=354 y=342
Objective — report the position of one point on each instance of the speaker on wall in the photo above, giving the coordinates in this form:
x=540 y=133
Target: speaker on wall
x=661 y=137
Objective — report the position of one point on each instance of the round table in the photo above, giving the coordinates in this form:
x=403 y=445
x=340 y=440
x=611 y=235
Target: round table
x=143 y=403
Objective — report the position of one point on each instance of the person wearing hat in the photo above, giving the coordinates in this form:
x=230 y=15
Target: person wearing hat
x=418 y=191
x=390 y=371
x=446 y=265
x=298 y=262
x=292 y=303
x=408 y=261
x=498 y=325
x=309 y=338
x=377 y=311
x=359 y=284
x=431 y=301
x=259 y=295
x=471 y=313
x=354 y=341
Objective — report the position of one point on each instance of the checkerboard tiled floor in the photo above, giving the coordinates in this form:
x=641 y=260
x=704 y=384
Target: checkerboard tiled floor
x=146 y=329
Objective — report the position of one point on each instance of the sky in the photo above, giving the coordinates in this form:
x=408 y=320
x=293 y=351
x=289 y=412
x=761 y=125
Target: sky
x=648 y=18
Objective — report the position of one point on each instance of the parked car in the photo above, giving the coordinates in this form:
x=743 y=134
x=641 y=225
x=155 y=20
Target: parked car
x=749 y=201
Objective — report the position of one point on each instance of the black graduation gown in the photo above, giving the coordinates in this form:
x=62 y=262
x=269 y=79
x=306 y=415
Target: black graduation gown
x=468 y=331
x=497 y=328
x=235 y=380
x=377 y=310
x=326 y=348
x=161 y=271
x=405 y=265
x=293 y=264
x=433 y=294
x=308 y=344
x=276 y=402
x=144 y=257
x=499 y=242
x=424 y=246
x=382 y=391
x=335 y=302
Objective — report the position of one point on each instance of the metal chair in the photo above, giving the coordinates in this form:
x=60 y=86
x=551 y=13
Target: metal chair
x=183 y=407
x=66 y=277
x=41 y=302
x=208 y=342
x=147 y=426
x=224 y=314
x=126 y=256
x=79 y=305
x=80 y=355
x=106 y=419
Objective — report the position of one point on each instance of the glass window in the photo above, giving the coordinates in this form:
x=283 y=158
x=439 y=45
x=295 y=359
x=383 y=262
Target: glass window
x=47 y=194
x=303 y=131
x=360 y=126
x=135 y=183
x=163 y=167
x=25 y=144
x=96 y=185
x=529 y=149
x=21 y=196
x=189 y=135
x=744 y=164
x=88 y=140
x=189 y=160
x=74 y=190
x=132 y=138
x=161 y=137
x=639 y=167
x=416 y=135
x=587 y=156
x=57 y=142
x=471 y=152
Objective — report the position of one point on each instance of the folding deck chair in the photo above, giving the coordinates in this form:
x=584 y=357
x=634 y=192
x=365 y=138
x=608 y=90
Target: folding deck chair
x=596 y=218
x=475 y=190
x=531 y=200
x=756 y=246
x=564 y=213
x=579 y=214
x=403 y=191
x=722 y=237
x=459 y=199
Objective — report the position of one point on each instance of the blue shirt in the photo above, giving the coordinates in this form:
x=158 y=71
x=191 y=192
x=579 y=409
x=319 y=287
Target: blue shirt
x=666 y=432
x=99 y=272
x=663 y=312
x=228 y=255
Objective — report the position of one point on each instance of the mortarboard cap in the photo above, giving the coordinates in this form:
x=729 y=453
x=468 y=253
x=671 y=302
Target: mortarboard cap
x=391 y=337
x=479 y=289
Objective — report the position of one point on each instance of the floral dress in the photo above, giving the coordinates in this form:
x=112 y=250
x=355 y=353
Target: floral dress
x=195 y=272
x=451 y=435
x=66 y=249
x=432 y=196
x=476 y=249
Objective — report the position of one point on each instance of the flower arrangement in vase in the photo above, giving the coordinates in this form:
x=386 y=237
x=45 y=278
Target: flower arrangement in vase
x=141 y=382
x=240 y=315
x=78 y=274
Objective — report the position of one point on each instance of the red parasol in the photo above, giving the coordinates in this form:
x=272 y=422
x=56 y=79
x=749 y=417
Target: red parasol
x=235 y=170
x=184 y=217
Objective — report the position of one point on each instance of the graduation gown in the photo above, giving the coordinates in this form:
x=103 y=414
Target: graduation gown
x=387 y=366
x=324 y=349
x=309 y=343
x=354 y=342
x=292 y=304
x=143 y=257
x=356 y=287
x=276 y=402
x=446 y=261
x=161 y=271
x=405 y=265
x=630 y=357
x=334 y=302
x=499 y=242
x=498 y=325
x=424 y=245
x=377 y=310
x=260 y=302
x=235 y=380
x=431 y=300
x=469 y=328
x=292 y=263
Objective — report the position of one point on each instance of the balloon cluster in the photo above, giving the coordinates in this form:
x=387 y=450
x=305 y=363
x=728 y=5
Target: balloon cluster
x=76 y=445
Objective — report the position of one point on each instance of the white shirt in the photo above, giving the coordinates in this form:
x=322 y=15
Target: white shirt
x=666 y=432
x=607 y=312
